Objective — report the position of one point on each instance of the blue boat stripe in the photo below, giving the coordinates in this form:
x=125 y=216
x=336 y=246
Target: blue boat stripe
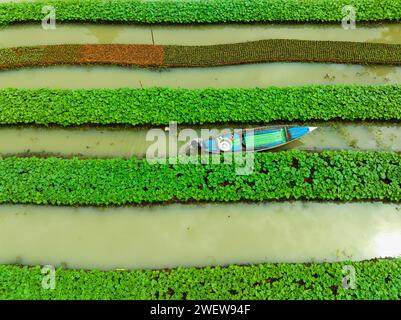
x=297 y=132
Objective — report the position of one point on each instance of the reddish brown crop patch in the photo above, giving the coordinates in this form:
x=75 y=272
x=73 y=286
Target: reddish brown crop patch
x=144 y=55
x=117 y=54
x=123 y=54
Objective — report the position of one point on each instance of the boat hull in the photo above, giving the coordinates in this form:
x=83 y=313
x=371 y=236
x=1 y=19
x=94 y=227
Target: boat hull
x=256 y=139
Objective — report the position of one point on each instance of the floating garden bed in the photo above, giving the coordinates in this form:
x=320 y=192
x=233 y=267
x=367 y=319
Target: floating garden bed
x=159 y=106
x=376 y=279
x=208 y=11
x=142 y=55
x=328 y=175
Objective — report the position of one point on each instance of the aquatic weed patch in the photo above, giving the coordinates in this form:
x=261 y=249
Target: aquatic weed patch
x=160 y=106
x=376 y=279
x=288 y=175
x=207 y=11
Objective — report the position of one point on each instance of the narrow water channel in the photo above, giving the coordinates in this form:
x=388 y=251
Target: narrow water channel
x=240 y=76
x=198 y=235
x=128 y=142
x=34 y=34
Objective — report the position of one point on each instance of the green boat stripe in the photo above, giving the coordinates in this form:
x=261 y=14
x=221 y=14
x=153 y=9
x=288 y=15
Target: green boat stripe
x=265 y=139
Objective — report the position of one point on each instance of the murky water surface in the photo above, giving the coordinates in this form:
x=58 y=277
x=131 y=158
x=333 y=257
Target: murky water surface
x=128 y=142
x=240 y=76
x=190 y=235
x=34 y=34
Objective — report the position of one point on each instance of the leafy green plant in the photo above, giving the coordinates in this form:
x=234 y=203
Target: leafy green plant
x=376 y=279
x=207 y=11
x=328 y=175
x=159 y=106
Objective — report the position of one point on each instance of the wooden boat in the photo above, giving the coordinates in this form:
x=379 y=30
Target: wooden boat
x=256 y=139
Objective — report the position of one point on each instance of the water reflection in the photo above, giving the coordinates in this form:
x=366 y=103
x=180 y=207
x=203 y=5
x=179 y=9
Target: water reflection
x=388 y=244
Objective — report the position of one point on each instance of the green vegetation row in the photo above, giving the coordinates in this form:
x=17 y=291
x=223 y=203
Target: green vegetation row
x=287 y=50
x=207 y=11
x=375 y=279
x=159 y=106
x=328 y=175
